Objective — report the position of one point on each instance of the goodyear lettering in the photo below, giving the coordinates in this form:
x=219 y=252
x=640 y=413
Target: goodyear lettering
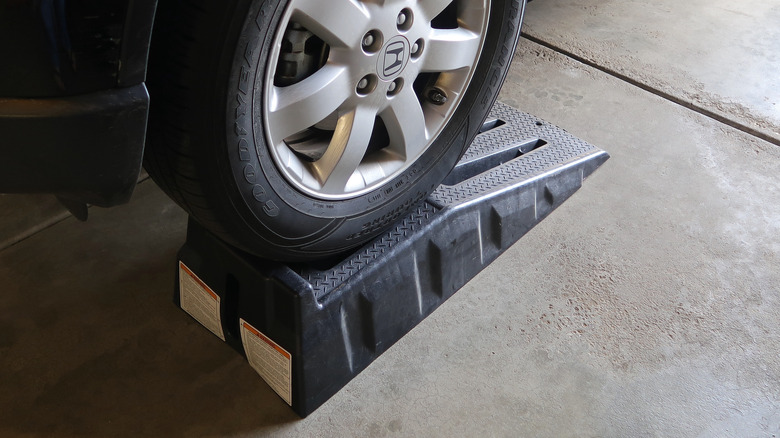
x=260 y=20
x=250 y=175
x=271 y=209
x=241 y=108
x=243 y=150
x=244 y=146
x=259 y=192
x=243 y=83
x=248 y=54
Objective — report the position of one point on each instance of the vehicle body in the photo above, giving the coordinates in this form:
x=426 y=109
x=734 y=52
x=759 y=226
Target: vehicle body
x=307 y=180
x=73 y=104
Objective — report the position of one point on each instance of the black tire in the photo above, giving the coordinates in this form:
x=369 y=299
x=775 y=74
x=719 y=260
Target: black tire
x=205 y=151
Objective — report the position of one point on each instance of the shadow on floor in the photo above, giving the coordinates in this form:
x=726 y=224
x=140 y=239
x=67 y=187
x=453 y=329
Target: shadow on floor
x=92 y=345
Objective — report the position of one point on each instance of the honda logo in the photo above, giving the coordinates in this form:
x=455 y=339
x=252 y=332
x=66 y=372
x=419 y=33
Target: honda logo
x=393 y=58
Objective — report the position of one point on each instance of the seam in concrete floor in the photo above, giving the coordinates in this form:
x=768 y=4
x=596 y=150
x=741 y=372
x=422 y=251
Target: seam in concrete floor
x=45 y=225
x=21 y=237
x=660 y=93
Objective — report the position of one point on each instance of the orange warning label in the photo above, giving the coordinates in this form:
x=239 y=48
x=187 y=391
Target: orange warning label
x=269 y=359
x=200 y=301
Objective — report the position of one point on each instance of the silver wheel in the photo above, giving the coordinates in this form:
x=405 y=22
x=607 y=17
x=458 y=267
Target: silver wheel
x=356 y=91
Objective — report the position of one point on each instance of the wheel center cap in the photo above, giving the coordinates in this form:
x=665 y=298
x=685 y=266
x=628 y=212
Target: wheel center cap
x=393 y=58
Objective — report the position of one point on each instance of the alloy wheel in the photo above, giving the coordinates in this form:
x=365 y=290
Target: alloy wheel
x=357 y=91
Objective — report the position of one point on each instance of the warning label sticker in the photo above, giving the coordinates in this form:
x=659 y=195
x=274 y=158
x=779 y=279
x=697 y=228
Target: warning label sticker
x=271 y=361
x=199 y=301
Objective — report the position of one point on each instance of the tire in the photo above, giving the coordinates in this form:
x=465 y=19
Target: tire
x=232 y=141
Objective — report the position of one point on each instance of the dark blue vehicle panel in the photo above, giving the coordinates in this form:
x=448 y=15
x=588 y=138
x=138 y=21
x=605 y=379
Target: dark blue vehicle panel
x=73 y=105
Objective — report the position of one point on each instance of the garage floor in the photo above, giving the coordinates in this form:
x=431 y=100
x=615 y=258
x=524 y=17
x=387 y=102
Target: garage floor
x=648 y=305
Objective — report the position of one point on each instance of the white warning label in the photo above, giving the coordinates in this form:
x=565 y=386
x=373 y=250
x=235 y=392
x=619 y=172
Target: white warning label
x=199 y=300
x=272 y=362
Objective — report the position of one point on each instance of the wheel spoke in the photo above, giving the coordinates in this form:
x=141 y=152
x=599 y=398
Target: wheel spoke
x=302 y=105
x=405 y=122
x=338 y=22
x=346 y=150
x=431 y=8
x=451 y=49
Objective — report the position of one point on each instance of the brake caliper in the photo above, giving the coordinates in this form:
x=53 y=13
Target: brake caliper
x=302 y=54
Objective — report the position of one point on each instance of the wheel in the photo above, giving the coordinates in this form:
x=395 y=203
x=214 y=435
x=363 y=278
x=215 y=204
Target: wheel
x=298 y=129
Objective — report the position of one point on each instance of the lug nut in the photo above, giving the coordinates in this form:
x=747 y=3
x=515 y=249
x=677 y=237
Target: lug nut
x=417 y=48
x=404 y=20
x=367 y=85
x=395 y=87
x=372 y=41
x=437 y=96
x=368 y=40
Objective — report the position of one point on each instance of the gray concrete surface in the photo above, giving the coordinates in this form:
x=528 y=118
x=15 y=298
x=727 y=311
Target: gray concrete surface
x=21 y=216
x=719 y=55
x=647 y=305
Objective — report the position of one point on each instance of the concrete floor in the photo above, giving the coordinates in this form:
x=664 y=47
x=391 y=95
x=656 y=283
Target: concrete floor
x=648 y=305
x=719 y=56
